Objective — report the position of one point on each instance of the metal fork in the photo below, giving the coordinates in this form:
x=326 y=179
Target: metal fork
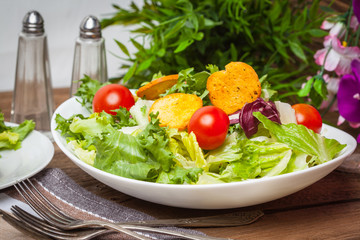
x=54 y=216
x=39 y=229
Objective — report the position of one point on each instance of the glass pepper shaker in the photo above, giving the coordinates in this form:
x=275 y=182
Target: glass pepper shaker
x=89 y=54
x=33 y=97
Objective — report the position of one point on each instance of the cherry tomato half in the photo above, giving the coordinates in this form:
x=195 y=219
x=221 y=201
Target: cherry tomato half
x=210 y=125
x=111 y=97
x=308 y=116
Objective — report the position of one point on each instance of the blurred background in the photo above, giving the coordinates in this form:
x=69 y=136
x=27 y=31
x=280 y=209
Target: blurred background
x=62 y=21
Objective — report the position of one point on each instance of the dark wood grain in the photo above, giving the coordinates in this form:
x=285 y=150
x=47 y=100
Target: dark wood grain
x=328 y=209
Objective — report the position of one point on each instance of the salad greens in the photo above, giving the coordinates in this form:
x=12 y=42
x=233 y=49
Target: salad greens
x=131 y=145
x=11 y=137
x=300 y=138
x=188 y=82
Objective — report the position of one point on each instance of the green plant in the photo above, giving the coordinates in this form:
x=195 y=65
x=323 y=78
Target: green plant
x=272 y=36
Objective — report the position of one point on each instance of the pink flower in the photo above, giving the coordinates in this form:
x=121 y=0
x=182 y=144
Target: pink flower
x=337 y=29
x=339 y=57
x=332 y=85
x=354 y=23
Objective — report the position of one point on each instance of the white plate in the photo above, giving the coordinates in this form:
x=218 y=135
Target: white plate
x=34 y=155
x=213 y=196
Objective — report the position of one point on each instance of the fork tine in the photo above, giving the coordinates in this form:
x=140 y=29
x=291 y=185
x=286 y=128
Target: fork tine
x=43 y=209
x=56 y=209
x=20 y=226
x=45 y=230
x=42 y=227
x=27 y=217
x=39 y=205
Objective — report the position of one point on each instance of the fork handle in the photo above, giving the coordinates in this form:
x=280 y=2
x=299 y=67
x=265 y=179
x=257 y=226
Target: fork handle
x=172 y=233
x=131 y=228
x=118 y=228
x=224 y=220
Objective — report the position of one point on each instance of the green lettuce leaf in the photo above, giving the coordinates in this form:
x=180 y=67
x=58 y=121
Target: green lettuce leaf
x=186 y=149
x=9 y=140
x=154 y=140
x=63 y=126
x=121 y=154
x=24 y=129
x=299 y=161
x=229 y=151
x=209 y=178
x=180 y=175
x=12 y=137
x=300 y=138
x=3 y=127
x=87 y=90
x=86 y=155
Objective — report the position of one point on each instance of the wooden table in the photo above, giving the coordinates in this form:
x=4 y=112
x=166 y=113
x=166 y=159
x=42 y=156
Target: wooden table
x=328 y=209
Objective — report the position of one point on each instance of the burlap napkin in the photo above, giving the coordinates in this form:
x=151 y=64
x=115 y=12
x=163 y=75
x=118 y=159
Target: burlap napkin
x=63 y=192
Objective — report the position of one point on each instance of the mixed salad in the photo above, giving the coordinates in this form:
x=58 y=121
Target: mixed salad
x=123 y=136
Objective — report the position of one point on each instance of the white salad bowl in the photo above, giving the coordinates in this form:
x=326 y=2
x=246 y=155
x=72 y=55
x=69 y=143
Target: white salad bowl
x=211 y=196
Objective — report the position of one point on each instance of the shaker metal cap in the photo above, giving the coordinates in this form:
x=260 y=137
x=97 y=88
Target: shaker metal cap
x=90 y=28
x=33 y=23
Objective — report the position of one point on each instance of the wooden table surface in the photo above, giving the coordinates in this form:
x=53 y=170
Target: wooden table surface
x=328 y=209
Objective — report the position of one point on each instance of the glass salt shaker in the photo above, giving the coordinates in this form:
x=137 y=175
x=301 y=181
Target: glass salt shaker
x=33 y=97
x=89 y=54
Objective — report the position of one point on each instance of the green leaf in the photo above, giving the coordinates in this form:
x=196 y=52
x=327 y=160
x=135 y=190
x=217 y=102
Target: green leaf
x=314 y=9
x=161 y=52
x=317 y=33
x=320 y=87
x=281 y=48
x=275 y=11
x=249 y=34
x=198 y=36
x=307 y=88
x=181 y=60
x=315 y=97
x=285 y=20
x=177 y=27
x=123 y=48
x=297 y=50
x=137 y=45
x=300 y=138
x=130 y=72
x=233 y=52
x=327 y=9
x=195 y=22
x=300 y=20
x=210 y=23
x=212 y=68
x=183 y=45
x=144 y=65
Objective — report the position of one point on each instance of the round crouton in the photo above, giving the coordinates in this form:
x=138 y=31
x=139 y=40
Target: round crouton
x=231 y=88
x=153 y=89
x=175 y=110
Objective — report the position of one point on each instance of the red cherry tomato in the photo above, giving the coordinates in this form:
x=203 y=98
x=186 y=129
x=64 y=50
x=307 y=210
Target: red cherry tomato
x=308 y=116
x=111 y=97
x=210 y=125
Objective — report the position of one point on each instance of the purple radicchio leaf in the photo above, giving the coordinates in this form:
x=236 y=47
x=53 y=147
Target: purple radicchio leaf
x=349 y=94
x=249 y=123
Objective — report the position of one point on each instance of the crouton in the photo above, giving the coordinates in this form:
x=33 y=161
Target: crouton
x=175 y=110
x=231 y=88
x=153 y=89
